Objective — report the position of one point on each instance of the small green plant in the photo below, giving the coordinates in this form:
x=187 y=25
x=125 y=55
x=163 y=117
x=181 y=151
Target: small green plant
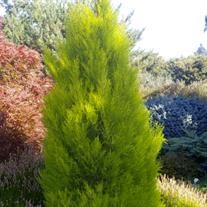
x=100 y=149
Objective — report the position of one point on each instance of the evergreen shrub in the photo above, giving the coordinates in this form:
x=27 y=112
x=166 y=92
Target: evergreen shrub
x=35 y=23
x=100 y=149
x=40 y=24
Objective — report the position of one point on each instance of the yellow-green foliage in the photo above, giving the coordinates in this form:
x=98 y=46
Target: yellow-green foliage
x=179 y=194
x=100 y=149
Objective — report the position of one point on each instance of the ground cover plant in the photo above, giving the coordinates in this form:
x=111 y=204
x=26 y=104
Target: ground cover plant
x=95 y=154
x=190 y=152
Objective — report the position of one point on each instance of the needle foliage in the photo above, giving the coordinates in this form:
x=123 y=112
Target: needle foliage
x=100 y=150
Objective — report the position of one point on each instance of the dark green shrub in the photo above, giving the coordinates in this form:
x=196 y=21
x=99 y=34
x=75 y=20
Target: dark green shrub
x=188 y=70
x=179 y=114
x=180 y=166
x=192 y=146
x=185 y=123
x=100 y=149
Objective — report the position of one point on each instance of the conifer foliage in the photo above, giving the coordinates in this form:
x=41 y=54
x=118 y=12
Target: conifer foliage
x=100 y=150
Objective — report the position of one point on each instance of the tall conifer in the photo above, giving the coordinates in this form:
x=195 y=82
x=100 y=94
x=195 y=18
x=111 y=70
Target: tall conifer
x=100 y=150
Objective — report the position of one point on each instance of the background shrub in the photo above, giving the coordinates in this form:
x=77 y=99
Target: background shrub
x=178 y=114
x=153 y=85
x=37 y=23
x=188 y=70
x=196 y=89
x=148 y=61
x=40 y=24
x=193 y=147
x=185 y=121
x=181 y=166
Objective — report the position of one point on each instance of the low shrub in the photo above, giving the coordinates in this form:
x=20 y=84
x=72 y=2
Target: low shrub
x=11 y=140
x=18 y=180
x=193 y=147
x=180 y=166
x=178 y=114
x=185 y=122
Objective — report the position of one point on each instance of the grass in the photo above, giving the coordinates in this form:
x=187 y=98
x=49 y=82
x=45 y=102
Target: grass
x=179 y=194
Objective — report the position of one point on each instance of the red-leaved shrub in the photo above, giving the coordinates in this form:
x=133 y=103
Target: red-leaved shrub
x=23 y=85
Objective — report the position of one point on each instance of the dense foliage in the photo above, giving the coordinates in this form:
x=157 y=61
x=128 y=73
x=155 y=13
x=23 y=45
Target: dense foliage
x=147 y=61
x=19 y=185
x=100 y=149
x=185 y=122
x=40 y=24
x=178 y=114
x=174 y=90
x=188 y=70
x=36 y=23
x=193 y=148
x=22 y=88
